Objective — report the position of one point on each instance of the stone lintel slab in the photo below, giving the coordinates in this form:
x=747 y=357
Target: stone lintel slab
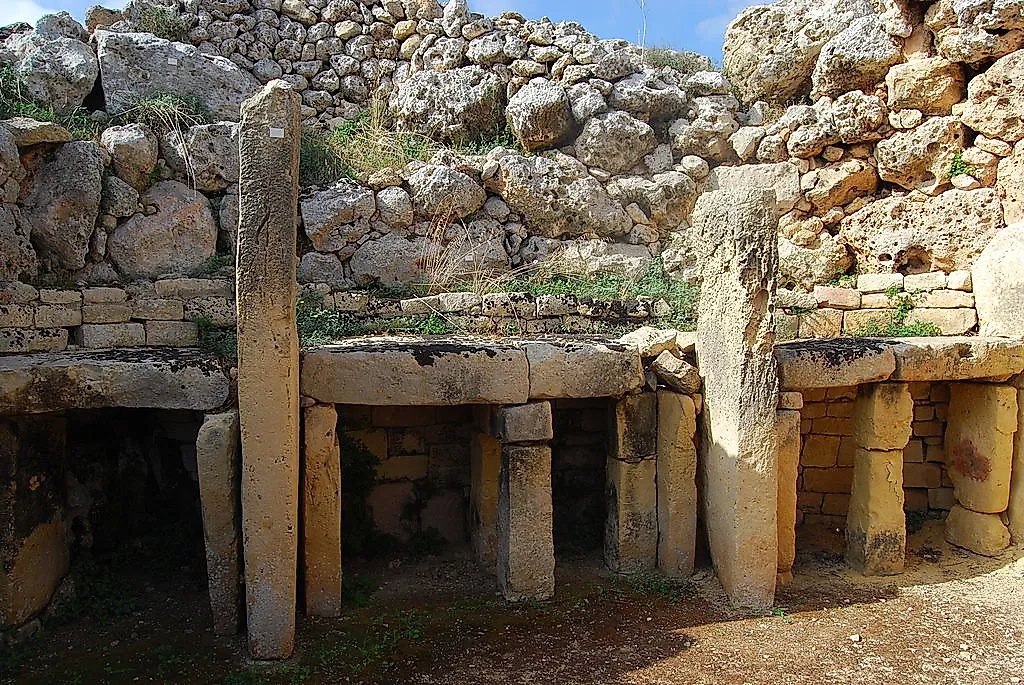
x=833 y=362
x=677 y=483
x=876 y=529
x=399 y=371
x=957 y=359
x=321 y=511
x=218 y=462
x=581 y=367
x=526 y=550
x=90 y=379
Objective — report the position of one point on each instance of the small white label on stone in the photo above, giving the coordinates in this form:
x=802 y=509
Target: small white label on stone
x=276 y=132
x=173 y=61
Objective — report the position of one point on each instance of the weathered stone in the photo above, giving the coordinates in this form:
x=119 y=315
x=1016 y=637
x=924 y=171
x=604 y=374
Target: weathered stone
x=567 y=369
x=172 y=334
x=338 y=216
x=836 y=298
x=485 y=467
x=832 y=186
x=524 y=423
x=856 y=58
x=615 y=142
x=787 y=431
x=979 y=444
x=782 y=178
x=999 y=284
x=204 y=156
x=404 y=371
x=879 y=283
x=995 y=99
x=651 y=342
x=157 y=379
x=177 y=238
x=21 y=340
x=882 y=414
x=707 y=131
x=526 y=553
x=833 y=363
x=1015 y=509
x=677 y=373
x=395 y=207
x=814 y=263
x=458 y=105
x=321 y=511
x=540 y=114
x=737 y=232
x=27 y=132
x=134 y=151
x=651 y=98
x=876 y=531
x=95 y=336
x=947 y=321
x=954 y=359
x=135 y=66
x=392 y=259
x=983 y=534
x=442 y=194
x=1010 y=183
x=218 y=462
x=64 y=203
x=268 y=365
x=54 y=65
x=631 y=522
x=945 y=232
x=676 y=483
x=922 y=157
x=931 y=85
x=17 y=256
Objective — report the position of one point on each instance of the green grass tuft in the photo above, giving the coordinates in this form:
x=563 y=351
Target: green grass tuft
x=894 y=324
x=161 y=22
x=219 y=340
x=15 y=101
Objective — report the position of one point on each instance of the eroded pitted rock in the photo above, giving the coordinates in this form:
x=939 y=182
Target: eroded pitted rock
x=338 y=216
x=922 y=157
x=857 y=58
x=974 y=32
x=999 y=284
x=444 y=194
x=931 y=86
x=615 y=142
x=649 y=96
x=17 y=257
x=134 y=150
x=205 y=155
x=540 y=114
x=706 y=131
x=995 y=99
x=451 y=106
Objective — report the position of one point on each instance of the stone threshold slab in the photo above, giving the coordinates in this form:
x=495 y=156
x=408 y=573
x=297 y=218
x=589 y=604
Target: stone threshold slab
x=450 y=370
x=150 y=378
x=840 y=362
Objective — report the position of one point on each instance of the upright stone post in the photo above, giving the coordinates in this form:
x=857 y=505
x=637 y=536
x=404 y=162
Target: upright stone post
x=876 y=528
x=321 y=511
x=526 y=550
x=219 y=467
x=1015 y=510
x=631 y=524
x=268 y=364
x=485 y=468
x=736 y=231
x=677 y=483
x=788 y=436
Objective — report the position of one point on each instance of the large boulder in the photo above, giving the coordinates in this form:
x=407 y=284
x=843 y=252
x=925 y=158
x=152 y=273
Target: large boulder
x=444 y=194
x=943 y=233
x=136 y=66
x=64 y=203
x=706 y=131
x=54 y=63
x=647 y=95
x=857 y=58
x=556 y=197
x=615 y=142
x=817 y=262
x=783 y=178
x=921 y=158
x=540 y=114
x=177 y=234
x=665 y=199
x=999 y=284
x=134 y=151
x=770 y=51
x=995 y=99
x=975 y=31
x=856 y=117
x=458 y=105
x=17 y=258
x=393 y=259
x=932 y=85
x=205 y=155
x=338 y=216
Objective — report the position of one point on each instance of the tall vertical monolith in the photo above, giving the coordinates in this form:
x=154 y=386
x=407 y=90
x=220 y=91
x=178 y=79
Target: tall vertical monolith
x=268 y=364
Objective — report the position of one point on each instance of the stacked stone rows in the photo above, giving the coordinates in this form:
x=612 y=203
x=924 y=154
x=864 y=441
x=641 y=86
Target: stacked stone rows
x=157 y=314
x=942 y=300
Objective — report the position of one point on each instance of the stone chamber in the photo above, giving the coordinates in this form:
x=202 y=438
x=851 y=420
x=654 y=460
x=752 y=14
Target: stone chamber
x=153 y=382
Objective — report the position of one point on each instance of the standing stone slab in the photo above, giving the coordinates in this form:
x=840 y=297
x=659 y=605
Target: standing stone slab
x=787 y=429
x=526 y=549
x=735 y=339
x=1015 y=511
x=676 y=483
x=876 y=530
x=321 y=511
x=631 y=523
x=979 y=444
x=485 y=467
x=218 y=463
x=268 y=364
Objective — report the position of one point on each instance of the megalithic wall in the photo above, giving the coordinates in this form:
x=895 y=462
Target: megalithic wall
x=268 y=364
x=735 y=230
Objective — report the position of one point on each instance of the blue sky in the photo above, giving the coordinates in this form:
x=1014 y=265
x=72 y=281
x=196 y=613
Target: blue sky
x=697 y=25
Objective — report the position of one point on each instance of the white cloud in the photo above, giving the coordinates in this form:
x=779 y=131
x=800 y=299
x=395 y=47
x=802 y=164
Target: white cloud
x=713 y=27
x=27 y=11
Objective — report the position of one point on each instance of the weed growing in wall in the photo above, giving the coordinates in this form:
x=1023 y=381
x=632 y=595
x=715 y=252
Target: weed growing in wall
x=958 y=166
x=219 y=340
x=15 y=101
x=894 y=324
x=161 y=22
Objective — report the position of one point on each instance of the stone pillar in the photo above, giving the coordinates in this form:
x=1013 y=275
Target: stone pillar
x=1015 y=510
x=219 y=465
x=485 y=467
x=526 y=550
x=736 y=233
x=787 y=430
x=268 y=364
x=979 y=447
x=677 y=483
x=876 y=528
x=631 y=526
x=321 y=511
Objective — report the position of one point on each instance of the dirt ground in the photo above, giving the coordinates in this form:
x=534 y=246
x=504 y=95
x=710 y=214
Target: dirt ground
x=952 y=618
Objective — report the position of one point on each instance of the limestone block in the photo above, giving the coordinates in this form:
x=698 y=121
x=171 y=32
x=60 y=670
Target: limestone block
x=631 y=523
x=55 y=315
x=526 y=551
x=111 y=335
x=982 y=534
x=16 y=316
x=948 y=321
x=999 y=283
x=218 y=461
x=787 y=428
x=677 y=373
x=268 y=365
x=1015 y=510
x=106 y=313
x=158 y=310
x=573 y=369
x=837 y=298
x=676 y=473
x=932 y=85
x=882 y=416
x=634 y=428
x=485 y=467
x=821 y=323
x=650 y=341
x=737 y=236
x=879 y=283
x=833 y=363
x=876 y=532
x=954 y=359
x=791 y=400
x=321 y=511
x=981 y=422
x=524 y=423
x=409 y=371
x=20 y=340
x=172 y=334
